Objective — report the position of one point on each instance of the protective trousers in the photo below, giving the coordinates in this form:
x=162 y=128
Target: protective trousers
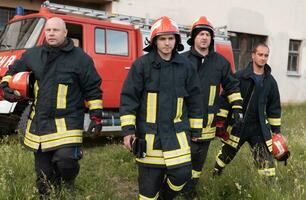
x=263 y=158
x=162 y=183
x=54 y=167
x=199 y=152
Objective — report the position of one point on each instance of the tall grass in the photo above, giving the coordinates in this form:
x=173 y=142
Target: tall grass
x=108 y=171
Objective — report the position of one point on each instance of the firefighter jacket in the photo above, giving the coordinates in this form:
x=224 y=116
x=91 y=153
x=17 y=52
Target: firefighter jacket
x=267 y=104
x=213 y=70
x=64 y=78
x=161 y=103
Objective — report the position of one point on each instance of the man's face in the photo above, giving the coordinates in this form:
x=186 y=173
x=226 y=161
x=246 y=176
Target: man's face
x=55 y=32
x=202 y=40
x=260 y=57
x=165 y=44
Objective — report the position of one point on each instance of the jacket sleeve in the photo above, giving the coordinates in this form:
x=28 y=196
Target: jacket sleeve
x=224 y=108
x=20 y=65
x=90 y=83
x=130 y=98
x=274 y=109
x=231 y=87
x=194 y=103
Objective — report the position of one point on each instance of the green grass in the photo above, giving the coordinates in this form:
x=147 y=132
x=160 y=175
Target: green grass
x=108 y=171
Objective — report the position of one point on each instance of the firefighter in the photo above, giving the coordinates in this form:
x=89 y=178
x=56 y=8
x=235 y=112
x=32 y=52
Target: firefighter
x=213 y=70
x=160 y=111
x=65 y=77
x=262 y=115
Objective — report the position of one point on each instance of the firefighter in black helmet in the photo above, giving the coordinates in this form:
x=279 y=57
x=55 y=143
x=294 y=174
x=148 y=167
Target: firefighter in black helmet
x=213 y=69
x=161 y=110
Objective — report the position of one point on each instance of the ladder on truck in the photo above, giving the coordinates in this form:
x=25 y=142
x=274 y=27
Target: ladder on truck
x=139 y=22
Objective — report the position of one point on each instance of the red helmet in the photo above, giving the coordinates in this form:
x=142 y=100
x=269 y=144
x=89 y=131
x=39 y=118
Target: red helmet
x=163 y=26
x=22 y=84
x=201 y=23
x=279 y=148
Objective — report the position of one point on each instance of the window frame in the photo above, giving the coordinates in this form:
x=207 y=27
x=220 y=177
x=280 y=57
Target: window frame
x=292 y=53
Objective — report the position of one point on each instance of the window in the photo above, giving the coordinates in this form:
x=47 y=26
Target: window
x=293 y=57
x=75 y=32
x=111 y=42
x=243 y=44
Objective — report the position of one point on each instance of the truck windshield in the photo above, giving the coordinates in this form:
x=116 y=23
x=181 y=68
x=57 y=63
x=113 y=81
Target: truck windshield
x=21 y=34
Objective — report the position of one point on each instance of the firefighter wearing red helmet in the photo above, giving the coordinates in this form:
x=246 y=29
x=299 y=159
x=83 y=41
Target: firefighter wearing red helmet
x=213 y=69
x=262 y=115
x=160 y=109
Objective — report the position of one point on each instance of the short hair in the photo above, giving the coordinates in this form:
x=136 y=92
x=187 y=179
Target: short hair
x=259 y=44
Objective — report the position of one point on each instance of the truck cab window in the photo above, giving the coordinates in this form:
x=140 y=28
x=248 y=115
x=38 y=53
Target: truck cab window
x=75 y=32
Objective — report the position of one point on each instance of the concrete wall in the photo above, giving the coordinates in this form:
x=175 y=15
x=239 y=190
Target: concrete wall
x=280 y=20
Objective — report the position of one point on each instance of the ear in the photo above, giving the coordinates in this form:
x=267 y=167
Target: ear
x=66 y=32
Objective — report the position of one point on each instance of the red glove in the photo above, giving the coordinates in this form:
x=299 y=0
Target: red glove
x=221 y=130
x=95 y=125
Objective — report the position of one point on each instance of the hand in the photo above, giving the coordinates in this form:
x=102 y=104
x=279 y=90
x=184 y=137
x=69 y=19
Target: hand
x=9 y=94
x=221 y=130
x=128 y=141
x=238 y=117
x=95 y=125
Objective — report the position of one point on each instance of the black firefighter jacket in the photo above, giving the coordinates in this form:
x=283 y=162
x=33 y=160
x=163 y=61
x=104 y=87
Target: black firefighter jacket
x=161 y=102
x=64 y=78
x=213 y=70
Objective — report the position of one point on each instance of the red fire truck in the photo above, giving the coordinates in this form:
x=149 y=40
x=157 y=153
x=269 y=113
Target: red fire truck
x=113 y=41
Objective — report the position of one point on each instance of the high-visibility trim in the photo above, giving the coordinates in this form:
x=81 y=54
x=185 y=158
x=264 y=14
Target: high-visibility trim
x=182 y=139
x=60 y=125
x=274 y=121
x=219 y=161
x=6 y=78
x=151 y=107
x=196 y=174
x=267 y=172
x=61 y=141
x=196 y=123
x=61 y=96
x=231 y=143
x=31 y=144
x=234 y=97
x=269 y=145
x=237 y=107
x=54 y=136
x=127 y=120
x=95 y=104
x=142 y=197
x=210 y=119
x=150 y=147
x=178 y=160
x=206 y=136
x=151 y=160
x=234 y=138
x=175 y=187
x=179 y=109
x=212 y=95
x=222 y=113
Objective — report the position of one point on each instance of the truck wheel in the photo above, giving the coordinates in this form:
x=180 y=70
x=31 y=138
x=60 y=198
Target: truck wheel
x=22 y=125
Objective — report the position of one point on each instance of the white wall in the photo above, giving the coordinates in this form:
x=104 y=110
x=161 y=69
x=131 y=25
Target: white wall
x=280 y=20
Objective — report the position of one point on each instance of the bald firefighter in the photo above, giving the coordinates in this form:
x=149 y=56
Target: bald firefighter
x=65 y=77
x=161 y=110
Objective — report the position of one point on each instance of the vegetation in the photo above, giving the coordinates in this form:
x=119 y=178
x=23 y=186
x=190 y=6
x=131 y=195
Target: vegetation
x=108 y=171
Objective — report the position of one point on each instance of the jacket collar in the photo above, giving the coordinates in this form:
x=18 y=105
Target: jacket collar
x=156 y=60
x=249 y=70
x=67 y=46
x=198 y=55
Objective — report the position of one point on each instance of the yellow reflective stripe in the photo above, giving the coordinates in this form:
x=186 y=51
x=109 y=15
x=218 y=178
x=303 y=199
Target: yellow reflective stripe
x=230 y=142
x=61 y=96
x=59 y=135
x=95 y=104
x=32 y=137
x=128 y=120
x=210 y=119
x=179 y=109
x=182 y=139
x=61 y=141
x=234 y=97
x=151 y=160
x=60 y=125
x=212 y=95
x=234 y=138
x=274 y=121
x=142 y=197
x=229 y=129
x=208 y=130
x=196 y=174
x=150 y=147
x=196 y=123
x=178 y=160
x=236 y=106
x=151 y=107
x=184 y=147
x=219 y=161
x=6 y=78
x=207 y=135
x=269 y=145
x=222 y=113
x=267 y=172
x=175 y=187
x=31 y=144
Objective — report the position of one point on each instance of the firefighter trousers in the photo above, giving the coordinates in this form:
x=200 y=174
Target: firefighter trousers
x=199 y=152
x=54 y=167
x=263 y=158
x=162 y=183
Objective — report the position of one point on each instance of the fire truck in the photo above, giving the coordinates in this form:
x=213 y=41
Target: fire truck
x=114 y=41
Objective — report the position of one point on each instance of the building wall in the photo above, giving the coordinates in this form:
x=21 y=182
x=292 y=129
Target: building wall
x=280 y=21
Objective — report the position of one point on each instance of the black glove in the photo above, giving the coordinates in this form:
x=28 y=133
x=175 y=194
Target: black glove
x=238 y=117
x=95 y=125
x=8 y=93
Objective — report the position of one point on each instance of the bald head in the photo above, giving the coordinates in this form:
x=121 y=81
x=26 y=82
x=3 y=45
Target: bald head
x=55 y=31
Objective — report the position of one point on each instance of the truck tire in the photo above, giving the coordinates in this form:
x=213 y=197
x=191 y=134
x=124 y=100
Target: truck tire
x=22 y=125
